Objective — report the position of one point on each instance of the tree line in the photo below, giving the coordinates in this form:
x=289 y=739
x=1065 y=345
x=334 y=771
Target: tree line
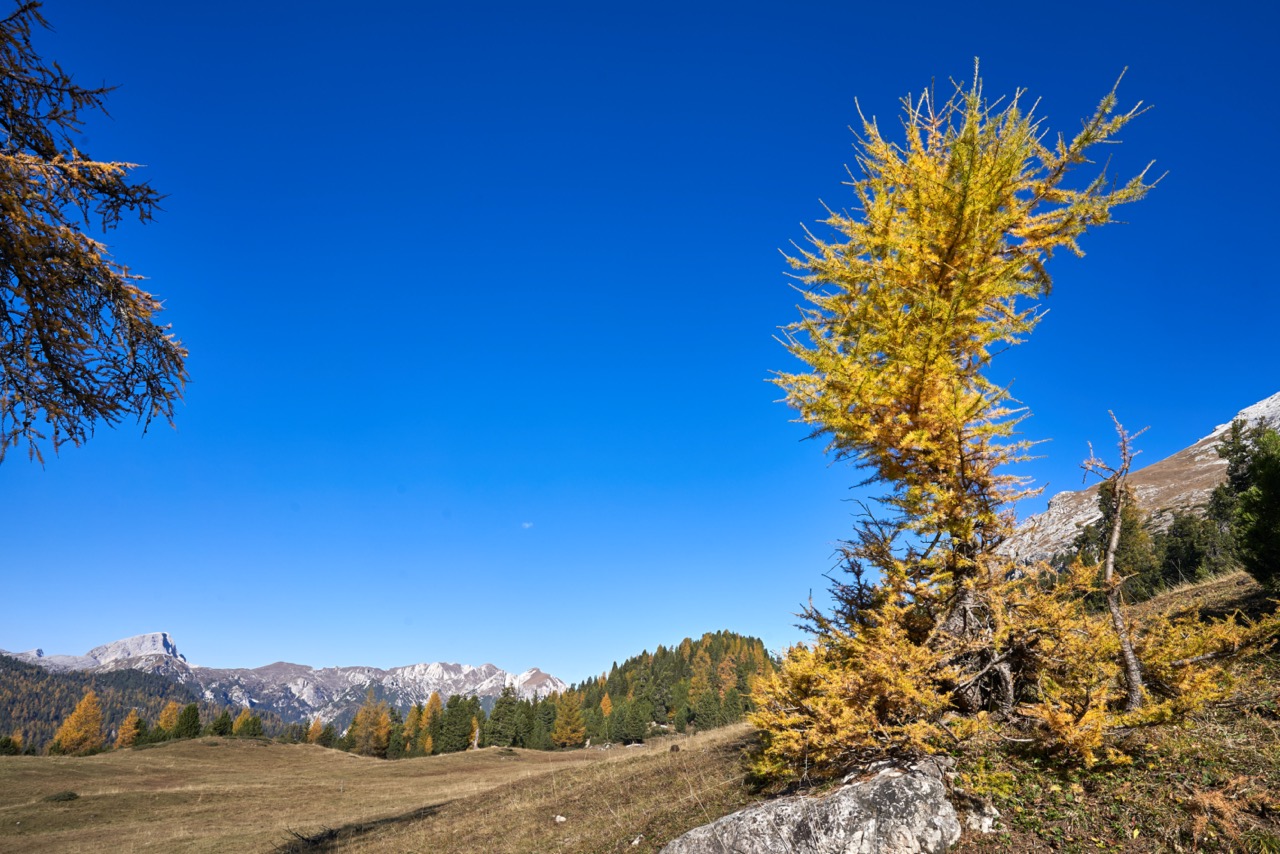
x=697 y=684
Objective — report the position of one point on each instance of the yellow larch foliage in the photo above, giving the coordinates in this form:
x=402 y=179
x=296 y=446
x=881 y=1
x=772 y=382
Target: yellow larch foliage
x=606 y=705
x=413 y=722
x=314 y=731
x=241 y=721
x=129 y=729
x=82 y=730
x=371 y=729
x=169 y=716
x=569 y=729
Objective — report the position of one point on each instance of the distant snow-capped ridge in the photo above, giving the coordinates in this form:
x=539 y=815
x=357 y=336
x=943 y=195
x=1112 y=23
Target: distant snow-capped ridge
x=1178 y=483
x=297 y=692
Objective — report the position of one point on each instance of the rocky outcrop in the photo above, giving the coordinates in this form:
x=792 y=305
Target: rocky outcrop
x=897 y=811
x=1178 y=483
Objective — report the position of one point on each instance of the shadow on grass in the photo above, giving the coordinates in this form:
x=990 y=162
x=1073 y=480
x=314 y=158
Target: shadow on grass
x=331 y=839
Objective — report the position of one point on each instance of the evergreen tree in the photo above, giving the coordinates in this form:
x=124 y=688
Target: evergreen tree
x=1259 y=510
x=501 y=730
x=188 y=723
x=223 y=724
x=327 y=736
x=81 y=732
x=247 y=724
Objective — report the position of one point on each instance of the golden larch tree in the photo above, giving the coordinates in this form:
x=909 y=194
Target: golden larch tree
x=936 y=270
x=241 y=723
x=82 y=730
x=569 y=729
x=168 y=719
x=129 y=729
x=80 y=341
x=314 y=731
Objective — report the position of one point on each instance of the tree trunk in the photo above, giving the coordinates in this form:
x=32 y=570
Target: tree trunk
x=1128 y=659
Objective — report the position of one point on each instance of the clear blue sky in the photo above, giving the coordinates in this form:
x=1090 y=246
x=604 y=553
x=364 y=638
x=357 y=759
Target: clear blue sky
x=480 y=302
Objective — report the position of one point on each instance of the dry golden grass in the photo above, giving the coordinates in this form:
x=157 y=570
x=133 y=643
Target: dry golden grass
x=637 y=801
x=217 y=795
x=221 y=795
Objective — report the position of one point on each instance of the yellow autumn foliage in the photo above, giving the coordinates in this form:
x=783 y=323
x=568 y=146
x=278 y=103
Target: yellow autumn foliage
x=81 y=732
x=129 y=729
x=168 y=719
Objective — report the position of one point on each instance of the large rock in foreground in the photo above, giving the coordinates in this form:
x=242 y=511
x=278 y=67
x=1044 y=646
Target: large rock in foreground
x=895 y=812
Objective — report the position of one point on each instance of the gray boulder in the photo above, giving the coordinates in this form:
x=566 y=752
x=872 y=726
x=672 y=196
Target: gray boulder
x=895 y=812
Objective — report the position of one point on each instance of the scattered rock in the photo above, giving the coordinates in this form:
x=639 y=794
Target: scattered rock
x=561 y=819
x=894 y=812
x=637 y=840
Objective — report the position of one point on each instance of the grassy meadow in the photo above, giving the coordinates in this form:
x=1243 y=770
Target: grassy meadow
x=218 y=795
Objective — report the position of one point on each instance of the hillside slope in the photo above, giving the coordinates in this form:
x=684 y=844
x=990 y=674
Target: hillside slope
x=1179 y=482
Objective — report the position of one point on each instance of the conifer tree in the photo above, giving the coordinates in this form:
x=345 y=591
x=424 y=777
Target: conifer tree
x=188 y=723
x=81 y=732
x=371 y=729
x=130 y=727
x=168 y=719
x=1259 y=510
x=315 y=730
x=242 y=722
x=79 y=339
x=935 y=272
x=568 y=730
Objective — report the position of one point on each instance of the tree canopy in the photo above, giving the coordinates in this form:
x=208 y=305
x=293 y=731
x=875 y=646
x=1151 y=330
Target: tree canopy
x=80 y=341
x=937 y=633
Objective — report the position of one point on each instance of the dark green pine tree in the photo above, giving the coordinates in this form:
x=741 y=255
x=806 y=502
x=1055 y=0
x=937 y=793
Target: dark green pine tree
x=188 y=725
x=1258 y=535
x=221 y=724
x=502 y=727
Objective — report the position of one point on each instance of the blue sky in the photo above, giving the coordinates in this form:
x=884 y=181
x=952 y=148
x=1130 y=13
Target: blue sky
x=480 y=303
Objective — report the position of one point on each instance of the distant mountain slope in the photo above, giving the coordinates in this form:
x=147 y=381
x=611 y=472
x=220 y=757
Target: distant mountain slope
x=296 y=692
x=1181 y=481
x=35 y=700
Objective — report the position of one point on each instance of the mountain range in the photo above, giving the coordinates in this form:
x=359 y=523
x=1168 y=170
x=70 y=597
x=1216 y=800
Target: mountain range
x=1180 y=482
x=297 y=692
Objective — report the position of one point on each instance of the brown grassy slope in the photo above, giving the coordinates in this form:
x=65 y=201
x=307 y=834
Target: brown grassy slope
x=637 y=802
x=219 y=795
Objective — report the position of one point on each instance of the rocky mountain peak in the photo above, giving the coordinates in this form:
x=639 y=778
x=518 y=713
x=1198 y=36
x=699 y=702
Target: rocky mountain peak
x=152 y=643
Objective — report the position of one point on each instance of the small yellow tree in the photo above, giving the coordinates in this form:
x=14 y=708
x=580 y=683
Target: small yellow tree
x=168 y=720
x=371 y=729
x=129 y=729
x=81 y=732
x=314 y=731
x=569 y=729
x=242 y=722
x=606 y=705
